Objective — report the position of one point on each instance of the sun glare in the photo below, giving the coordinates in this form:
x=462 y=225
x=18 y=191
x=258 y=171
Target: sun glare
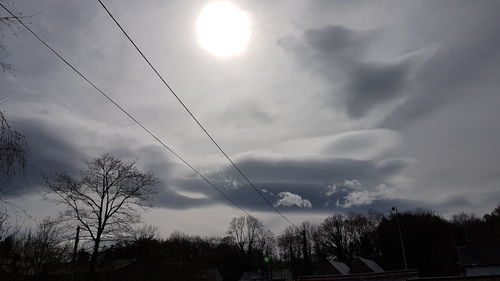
x=223 y=29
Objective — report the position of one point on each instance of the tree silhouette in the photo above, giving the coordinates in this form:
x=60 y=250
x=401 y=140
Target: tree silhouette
x=13 y=145
x=105 y=199
x=13 y=150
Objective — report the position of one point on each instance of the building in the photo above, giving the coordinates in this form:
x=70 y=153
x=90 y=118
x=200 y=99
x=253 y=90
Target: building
x=362 y=265
x=362 y=270
x=479 y=261
x=332 y=267
x=260 y=275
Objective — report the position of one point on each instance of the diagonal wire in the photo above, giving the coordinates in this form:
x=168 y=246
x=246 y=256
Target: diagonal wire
x=129 y=115
x=194 y=118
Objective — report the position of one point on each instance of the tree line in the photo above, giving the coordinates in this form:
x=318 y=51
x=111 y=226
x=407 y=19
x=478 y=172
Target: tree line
x=429 y=239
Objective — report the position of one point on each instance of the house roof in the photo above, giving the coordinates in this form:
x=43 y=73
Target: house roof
x=371 y=264
x=207 y=274
x=285 y=274
x=251 y=275
x=476 y=256
x=116 y=265
x=386 y=275
x=341 y=267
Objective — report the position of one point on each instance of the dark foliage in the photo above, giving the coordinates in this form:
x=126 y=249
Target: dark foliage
x=428 y=239
x=186 y=252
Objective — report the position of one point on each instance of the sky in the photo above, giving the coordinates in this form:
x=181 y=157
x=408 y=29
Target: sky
x=333 y=106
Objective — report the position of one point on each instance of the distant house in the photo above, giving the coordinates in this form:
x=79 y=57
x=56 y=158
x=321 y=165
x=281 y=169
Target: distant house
x=275 y=275
x=252 y=275
x=211 y=274
x=362 y=265
x=479 y=261
x=332 y=267
x=362 y=269
x=127 y=270
x=132 y=270
x=282 y=275
x=397 y=275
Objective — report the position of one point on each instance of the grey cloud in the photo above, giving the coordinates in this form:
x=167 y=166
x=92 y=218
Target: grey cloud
x=52 y=150
x=339 y=55
x=319 y=170
x=467 y=52
x=245 y=114
x=335 y=42
x=374 y=83
x=49 y=151
x=307 y=178
x=356 y=144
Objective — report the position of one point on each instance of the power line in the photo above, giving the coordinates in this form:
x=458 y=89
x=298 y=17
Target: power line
x=128 y=114
x=194 y=118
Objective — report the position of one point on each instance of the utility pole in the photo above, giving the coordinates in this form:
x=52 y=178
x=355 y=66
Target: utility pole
x=75 y=249
x=400 y=238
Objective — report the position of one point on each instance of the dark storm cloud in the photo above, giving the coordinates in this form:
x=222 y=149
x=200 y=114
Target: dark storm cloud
x=49 y=151
x=311 y=179
x=318 y=170
x=338 y=54
x=52 y=149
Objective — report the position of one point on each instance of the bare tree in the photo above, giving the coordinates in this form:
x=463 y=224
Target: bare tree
x=106 y=198
x=290 y=244
x=10 y=23
x=41 y=247
x=351 y=235
x=13 y=145
x=335 y=237
x=249 y=233
x=146 y=232
x=13 y=150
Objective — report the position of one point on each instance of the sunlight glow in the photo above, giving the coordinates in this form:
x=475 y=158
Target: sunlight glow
x=223 y=29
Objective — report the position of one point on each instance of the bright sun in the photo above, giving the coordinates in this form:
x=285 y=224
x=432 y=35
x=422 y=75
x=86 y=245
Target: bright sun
x=223 y=29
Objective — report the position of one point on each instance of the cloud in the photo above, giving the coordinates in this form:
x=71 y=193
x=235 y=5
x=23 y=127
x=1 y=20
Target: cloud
x=370 y=84
x=289 y=199
x=331 y=189
x=360 y=198
x=312 y=170
x=340 y=56
x=316 y=180
x=48 y=151
x=355 y=144
x=352 y=183
x=459 y=60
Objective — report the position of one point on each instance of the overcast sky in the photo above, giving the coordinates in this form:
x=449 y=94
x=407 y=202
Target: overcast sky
x=334 y=106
